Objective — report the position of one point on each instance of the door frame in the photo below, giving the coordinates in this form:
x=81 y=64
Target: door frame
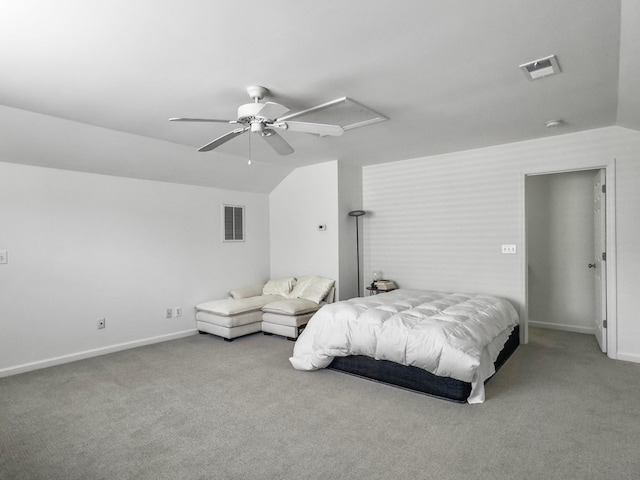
x=611 y=262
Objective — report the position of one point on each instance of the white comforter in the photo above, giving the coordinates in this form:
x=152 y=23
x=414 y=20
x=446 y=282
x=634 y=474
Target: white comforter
x=448 y=334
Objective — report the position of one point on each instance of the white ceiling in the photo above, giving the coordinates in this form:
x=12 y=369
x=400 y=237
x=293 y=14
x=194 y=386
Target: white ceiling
x=445 y=73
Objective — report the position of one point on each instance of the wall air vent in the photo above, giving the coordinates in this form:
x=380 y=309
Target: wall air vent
x=232 y=223
x=540 y=68
x=344 y=112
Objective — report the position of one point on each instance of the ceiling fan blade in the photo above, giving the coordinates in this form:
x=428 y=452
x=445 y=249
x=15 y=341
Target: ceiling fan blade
x=223 y=139
x=316 y=128
x=271 y=111
x=278 y=143
x=181 y=119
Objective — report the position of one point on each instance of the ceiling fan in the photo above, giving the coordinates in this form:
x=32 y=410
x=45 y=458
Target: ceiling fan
x=264 y=119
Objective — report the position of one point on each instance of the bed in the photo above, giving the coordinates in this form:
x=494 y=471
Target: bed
x=442 y=344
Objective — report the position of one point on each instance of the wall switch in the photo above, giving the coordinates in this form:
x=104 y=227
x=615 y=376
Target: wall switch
x=169 y=313
x=4 y=258
x=102 y=323
x=177 y=312
x=509 y=249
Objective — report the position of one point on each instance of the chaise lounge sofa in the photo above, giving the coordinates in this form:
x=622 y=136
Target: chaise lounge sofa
x=282 y=306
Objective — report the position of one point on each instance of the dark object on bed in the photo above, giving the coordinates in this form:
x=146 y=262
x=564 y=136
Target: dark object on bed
x=417 y=379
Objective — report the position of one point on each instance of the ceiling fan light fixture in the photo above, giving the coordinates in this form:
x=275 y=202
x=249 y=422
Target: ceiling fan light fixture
x=257 y=127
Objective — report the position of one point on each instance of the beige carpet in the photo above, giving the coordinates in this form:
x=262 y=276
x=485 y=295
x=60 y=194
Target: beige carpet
x=201 y=408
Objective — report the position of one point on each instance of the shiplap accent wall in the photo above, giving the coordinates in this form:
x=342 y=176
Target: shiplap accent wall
x=439 y=222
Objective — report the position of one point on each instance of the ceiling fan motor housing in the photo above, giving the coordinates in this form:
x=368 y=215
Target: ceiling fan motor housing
x=248 y=111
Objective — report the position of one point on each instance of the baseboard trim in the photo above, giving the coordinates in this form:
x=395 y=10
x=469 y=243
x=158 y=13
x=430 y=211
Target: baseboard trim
x=563 y=327
x=628 y=357
x=50 y=362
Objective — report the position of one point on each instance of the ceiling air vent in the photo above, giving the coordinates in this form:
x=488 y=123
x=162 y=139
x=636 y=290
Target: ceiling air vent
x=540 y=68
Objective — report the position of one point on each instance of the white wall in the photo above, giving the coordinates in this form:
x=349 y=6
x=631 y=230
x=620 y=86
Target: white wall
x=307 y=198
x=349 y=198
x=83 y=246
x=560 y=246
x=438 y=222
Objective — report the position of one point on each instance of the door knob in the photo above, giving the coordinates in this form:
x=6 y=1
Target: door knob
x=592 y=265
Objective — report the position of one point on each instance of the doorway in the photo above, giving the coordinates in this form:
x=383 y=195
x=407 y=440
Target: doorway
x=562 y=235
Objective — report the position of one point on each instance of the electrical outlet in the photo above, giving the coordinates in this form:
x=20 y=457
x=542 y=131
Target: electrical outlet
x=169 y=313
x=177 y=312
x=509 y=249
x=102 y=323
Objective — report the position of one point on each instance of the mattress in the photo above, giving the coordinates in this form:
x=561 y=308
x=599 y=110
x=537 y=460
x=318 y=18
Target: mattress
x=452 y=335
x=416 y=379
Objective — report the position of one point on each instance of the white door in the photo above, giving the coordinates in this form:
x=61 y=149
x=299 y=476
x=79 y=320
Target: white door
x=599 y=265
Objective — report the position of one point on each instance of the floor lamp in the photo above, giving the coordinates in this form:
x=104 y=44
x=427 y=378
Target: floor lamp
x=357 y=213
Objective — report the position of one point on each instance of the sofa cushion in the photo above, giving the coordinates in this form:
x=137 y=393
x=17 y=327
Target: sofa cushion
x=232 y=306
x=246 y=292
x=279 y=286
x=292 y=306
x=229 y=321
x=312 y=288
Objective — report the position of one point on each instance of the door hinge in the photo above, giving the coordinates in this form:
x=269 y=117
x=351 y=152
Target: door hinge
x=604 y=188
x=604 y=256
x=604 y=324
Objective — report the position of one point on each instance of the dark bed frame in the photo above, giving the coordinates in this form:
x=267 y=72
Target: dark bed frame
x=417 y=379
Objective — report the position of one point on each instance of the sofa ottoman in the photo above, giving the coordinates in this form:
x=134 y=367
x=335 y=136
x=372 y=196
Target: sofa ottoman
x=231 y=318
x=288 y=317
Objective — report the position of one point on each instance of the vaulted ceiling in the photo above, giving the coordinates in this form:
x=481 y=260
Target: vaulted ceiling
x=89 y=86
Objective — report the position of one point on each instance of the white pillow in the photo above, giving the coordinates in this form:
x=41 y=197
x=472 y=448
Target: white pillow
x=247 y=292
x=291 y=306
x=312 y=288
x=280 y=286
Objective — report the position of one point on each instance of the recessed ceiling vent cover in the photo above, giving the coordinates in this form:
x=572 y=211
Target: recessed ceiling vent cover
x=540 y=68
x=344 y=112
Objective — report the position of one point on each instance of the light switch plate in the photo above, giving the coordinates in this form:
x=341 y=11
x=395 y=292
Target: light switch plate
x=509 y=249
x=4 y=258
